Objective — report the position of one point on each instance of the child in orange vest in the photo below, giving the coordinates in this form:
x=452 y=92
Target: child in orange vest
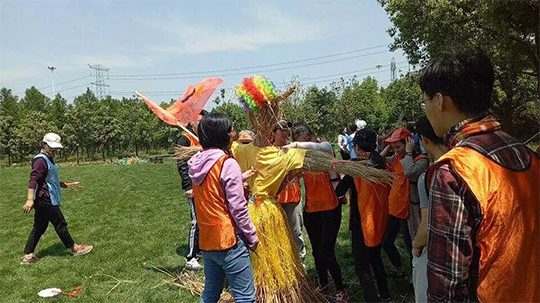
x=322 y=214
x=368 y=218
x=225 y=228
x=484 y=207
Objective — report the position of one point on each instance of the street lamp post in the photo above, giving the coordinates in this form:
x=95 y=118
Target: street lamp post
x=52 y=68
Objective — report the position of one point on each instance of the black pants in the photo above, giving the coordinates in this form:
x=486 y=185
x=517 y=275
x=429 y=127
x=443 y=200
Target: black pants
x=364 y=258
x=45 y=212
x=344 y=155
x=395 y=226
x=323 y=228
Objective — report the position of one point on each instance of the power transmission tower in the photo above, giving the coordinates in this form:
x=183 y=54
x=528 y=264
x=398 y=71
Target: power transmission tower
x=393 y=69
x=378 y=66
x=100 y=87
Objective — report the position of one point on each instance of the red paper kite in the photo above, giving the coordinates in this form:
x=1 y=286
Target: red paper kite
x=187 y=108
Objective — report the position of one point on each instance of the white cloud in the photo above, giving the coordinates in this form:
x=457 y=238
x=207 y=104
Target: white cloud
x=264 y=25
x=11 y=74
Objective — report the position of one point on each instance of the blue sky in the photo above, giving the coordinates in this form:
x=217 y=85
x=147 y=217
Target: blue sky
x=180 y=37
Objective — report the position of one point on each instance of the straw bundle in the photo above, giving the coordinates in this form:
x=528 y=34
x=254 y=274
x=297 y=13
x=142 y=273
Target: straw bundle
x=186 y=152
x=195 y=284
x=318 y=161
x=278 y=270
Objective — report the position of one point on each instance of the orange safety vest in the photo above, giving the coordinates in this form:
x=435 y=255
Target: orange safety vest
x=290 y=194
x=372 y=199
x=216 y=225
x=398 y=201
x=193 y=141
x=320 y=195
x=509 y=234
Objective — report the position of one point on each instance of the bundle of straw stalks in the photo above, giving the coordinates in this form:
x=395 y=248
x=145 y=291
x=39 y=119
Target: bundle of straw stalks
x=318 y=161
x=278 y=270
x=264 y=120
x=190 y=281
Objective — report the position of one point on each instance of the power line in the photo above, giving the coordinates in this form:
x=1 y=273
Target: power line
x=74 y=87
x=58 y=84
x=258 y=71
x=252 y=67
x=166 y=92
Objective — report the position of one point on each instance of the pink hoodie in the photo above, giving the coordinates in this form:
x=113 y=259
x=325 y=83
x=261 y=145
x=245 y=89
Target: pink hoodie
x=231 y=183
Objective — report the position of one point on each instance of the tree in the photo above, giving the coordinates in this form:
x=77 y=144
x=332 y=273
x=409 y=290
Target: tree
x=235 y=112
x=507 y=31
x=403 y=98
x=34 y=100
x=7 y=127
x=29 y=132
x=8 y=104
x=57 y=111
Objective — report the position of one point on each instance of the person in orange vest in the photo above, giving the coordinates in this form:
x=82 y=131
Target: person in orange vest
x=290 y=196
x=435 y=147
x=407 y=164
x=322 y=213
x=187 y=139
x=368 y=219
x=226 y=232
x=246 y=137
x=484 y=207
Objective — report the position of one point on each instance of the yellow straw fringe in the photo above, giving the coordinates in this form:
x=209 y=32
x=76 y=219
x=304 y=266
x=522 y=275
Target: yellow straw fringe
x=278 y=270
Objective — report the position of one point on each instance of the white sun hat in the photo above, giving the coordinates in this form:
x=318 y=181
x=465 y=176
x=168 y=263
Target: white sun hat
x=53 y=140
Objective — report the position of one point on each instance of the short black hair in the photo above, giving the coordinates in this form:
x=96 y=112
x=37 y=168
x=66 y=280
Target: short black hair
x=301 y=129
x=215 y=131
x=352 y=128
x=366 y=139
x=465 y=77
x=424 y=129
x=203 y=112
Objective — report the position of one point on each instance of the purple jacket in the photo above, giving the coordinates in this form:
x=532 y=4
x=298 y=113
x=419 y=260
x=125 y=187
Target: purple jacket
x=232 y=185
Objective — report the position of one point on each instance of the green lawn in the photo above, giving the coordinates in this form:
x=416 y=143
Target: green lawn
x=131 y=214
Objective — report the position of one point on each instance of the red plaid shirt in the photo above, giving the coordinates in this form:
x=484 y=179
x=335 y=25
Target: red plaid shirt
x=455 y=214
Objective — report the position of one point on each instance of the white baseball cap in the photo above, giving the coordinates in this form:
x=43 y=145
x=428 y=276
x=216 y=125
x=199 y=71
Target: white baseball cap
x=53 y=140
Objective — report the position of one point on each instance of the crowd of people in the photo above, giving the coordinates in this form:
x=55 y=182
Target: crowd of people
x=464 y=197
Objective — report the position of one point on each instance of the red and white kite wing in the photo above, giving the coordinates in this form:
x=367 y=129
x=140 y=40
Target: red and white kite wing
x=187 y=108
x=164 y=115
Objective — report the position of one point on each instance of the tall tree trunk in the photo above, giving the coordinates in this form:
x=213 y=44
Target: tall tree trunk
x=136 y=150
x=9 y=159
x=77 y=149
x=103 y=153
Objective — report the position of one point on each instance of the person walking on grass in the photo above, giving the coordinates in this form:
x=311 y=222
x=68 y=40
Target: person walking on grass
x=226 y=232
x=435 y=148
x=186 y=139
x=45 y=198
x=368 y=218
x=484 y=207
x=290 y=196
x=322 y=213
x=407 y=164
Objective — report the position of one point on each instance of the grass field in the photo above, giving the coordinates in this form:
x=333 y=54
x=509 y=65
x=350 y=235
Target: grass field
x=131 y=214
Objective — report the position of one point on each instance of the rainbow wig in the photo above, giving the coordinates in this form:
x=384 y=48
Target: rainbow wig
x=255 y=92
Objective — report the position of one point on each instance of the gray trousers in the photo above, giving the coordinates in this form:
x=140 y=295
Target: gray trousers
x=419 y=277
x=296 y=222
